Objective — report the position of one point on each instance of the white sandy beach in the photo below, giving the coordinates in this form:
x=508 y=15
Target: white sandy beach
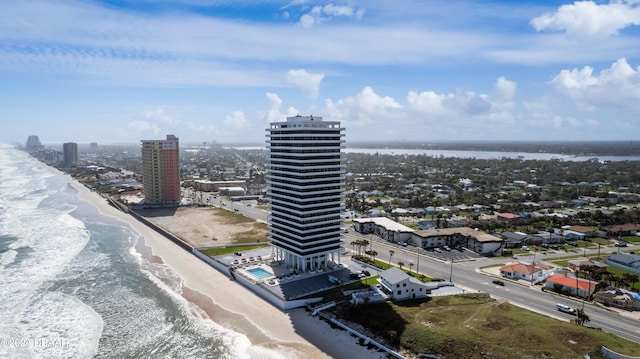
x=273 y=333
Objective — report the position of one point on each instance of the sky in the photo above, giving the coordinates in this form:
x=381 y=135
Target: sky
x=220 y=71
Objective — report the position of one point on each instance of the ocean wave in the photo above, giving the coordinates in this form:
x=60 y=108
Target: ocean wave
x=170 y=283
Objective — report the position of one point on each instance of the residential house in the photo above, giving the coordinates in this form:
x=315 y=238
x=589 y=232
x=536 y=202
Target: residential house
x=513 y=239
x=549 y=237
x=533 y=272
x=571 y=285
x=628 y=229
x=401 y=286
x=626 y=261
x=586 y=232
x=575 y=264
x=618 y=298
x=573 y=235
x=506 y=216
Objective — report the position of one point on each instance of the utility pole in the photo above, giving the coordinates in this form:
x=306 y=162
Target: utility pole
x=451 y=272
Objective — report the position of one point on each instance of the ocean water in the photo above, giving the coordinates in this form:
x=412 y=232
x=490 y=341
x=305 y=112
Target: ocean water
x=73 y=285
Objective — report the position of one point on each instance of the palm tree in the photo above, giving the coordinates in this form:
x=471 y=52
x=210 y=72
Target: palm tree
x=581 y=317
x=608 y=277
x=391 y=253
x=628 y=279
x=400 y=264
x=410 y=266
x=365 y=243
x=633 y=279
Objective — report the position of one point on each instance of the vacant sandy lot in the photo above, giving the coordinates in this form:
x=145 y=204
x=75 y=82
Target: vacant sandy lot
x=207 y=226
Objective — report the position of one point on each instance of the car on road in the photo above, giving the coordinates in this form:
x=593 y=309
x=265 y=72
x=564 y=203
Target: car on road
x=565 y=309
x=498 y=282
x=357 y=275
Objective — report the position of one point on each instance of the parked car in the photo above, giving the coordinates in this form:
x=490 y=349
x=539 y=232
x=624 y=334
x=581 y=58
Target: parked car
x=498 y=282
x=437 y=250
x=620 y=244
x=446 y=248
x=525 y=248
x=574 y=244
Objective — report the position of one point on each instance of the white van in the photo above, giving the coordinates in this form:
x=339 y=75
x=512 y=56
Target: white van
x=565 y=308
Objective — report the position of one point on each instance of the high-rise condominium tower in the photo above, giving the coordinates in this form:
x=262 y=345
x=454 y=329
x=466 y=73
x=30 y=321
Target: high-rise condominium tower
x=70 y=153
x=161 y=170
x=305 y=183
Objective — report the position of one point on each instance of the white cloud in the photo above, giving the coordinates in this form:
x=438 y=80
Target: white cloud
x=505 y=89
x=449 y=106
x=152 y=122
x=619 y=86
x=307 y=81
x=320 y=14
x=158 y=115
x=463 y=114
x=273 y=114
x=143 y=127
x=588 y=19
x=236 y=121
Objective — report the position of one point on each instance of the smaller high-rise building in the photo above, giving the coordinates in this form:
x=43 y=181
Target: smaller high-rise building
x=161 y=170
x=33 y=144
x=70 y=154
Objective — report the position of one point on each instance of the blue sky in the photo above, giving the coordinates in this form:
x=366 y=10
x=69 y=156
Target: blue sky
x=221 y=70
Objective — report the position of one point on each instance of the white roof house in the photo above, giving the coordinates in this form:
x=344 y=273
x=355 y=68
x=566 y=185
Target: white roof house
x=400 y=286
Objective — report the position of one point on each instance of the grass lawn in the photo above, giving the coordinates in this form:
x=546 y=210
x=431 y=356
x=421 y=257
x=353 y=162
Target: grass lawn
x=602 y=241
x=257 y=234
x=631 y=239
x=212 y=252
x=476 y=326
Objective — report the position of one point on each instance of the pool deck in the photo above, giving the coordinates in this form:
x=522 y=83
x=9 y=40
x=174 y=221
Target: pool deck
x=285 y=283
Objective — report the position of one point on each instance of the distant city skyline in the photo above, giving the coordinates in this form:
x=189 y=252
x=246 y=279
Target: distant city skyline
x=124 y=71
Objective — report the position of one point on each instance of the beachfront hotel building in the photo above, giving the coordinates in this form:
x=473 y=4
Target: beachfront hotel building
x=305 y=184
x=161 y=170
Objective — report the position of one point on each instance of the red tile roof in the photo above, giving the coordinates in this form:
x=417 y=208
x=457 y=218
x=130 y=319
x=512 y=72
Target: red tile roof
x=570 y=282
x=528 y=269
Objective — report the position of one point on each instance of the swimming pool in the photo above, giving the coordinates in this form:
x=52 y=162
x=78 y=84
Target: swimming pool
x=259 y=273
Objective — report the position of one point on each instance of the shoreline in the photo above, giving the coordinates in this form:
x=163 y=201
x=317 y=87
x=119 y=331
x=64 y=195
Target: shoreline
x=272 y=332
